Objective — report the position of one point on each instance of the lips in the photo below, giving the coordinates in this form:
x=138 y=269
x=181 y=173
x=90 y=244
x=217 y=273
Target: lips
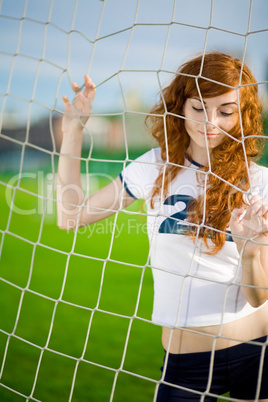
x=209 y=135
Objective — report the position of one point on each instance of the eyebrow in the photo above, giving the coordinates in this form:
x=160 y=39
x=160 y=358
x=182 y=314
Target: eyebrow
x=223 y=104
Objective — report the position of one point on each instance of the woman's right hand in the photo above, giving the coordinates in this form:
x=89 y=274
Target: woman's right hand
x=77 y=113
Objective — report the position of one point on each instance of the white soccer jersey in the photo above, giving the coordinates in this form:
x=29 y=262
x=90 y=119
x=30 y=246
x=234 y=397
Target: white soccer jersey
x=191 y=288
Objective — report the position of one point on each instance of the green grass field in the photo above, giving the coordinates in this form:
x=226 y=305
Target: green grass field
x=44 y=281
x=51 y=292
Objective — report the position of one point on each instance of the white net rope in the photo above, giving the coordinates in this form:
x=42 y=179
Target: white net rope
x=21 y=281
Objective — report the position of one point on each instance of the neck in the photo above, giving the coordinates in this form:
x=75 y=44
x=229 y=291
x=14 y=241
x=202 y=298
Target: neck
x=200 y=156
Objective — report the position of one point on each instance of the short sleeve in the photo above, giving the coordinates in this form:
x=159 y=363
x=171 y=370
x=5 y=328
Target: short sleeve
x=139 y=176
x=259 y=181
x=265 y=183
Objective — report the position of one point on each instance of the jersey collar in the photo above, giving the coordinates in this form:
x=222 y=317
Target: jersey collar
x=192 y=161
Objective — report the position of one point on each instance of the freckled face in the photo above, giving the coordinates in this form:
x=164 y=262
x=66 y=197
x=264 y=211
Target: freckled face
x=205 y=126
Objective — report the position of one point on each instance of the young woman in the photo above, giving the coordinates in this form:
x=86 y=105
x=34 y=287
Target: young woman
x=207 y=225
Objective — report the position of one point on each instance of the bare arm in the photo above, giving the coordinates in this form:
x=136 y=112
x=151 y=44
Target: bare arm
x=73 y=209
x=254 y=228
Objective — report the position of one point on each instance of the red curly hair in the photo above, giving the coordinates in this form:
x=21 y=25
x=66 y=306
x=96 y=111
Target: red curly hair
x=213 y=74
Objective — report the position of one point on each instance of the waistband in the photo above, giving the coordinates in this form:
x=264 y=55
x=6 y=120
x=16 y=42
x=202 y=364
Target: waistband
x=251 y=347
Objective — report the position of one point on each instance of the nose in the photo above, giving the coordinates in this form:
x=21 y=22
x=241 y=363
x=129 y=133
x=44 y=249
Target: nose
x=212 y=120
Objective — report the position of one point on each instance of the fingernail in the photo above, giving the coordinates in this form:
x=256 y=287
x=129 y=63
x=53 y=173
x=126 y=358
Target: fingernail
x=242 y=216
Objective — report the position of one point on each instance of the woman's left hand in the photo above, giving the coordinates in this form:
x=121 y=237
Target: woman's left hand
x=250 y=223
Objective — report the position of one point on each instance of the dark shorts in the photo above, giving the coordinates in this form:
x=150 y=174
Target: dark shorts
x=241 y=370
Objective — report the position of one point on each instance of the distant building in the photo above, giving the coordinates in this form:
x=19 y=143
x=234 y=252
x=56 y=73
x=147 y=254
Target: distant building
x=40 y=141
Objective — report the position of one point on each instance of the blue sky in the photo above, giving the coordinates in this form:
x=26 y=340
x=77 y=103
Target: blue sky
x=127 y=46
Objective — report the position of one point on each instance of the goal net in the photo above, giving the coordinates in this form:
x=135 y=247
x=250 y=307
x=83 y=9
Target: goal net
x=75 y=322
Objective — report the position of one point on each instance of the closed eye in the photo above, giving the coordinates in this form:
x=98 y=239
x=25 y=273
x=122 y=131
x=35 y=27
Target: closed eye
x=197 y=109
x=226 y=114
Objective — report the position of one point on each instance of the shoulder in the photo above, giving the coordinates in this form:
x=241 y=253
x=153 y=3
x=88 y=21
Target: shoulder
x=139 y=175
x=147 y=164
x=152 y=156
x=259 y=171
x=259 y=179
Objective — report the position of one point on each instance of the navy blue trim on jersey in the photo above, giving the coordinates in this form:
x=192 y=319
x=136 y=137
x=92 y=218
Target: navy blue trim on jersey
x=192 y=161
x=126 y=187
